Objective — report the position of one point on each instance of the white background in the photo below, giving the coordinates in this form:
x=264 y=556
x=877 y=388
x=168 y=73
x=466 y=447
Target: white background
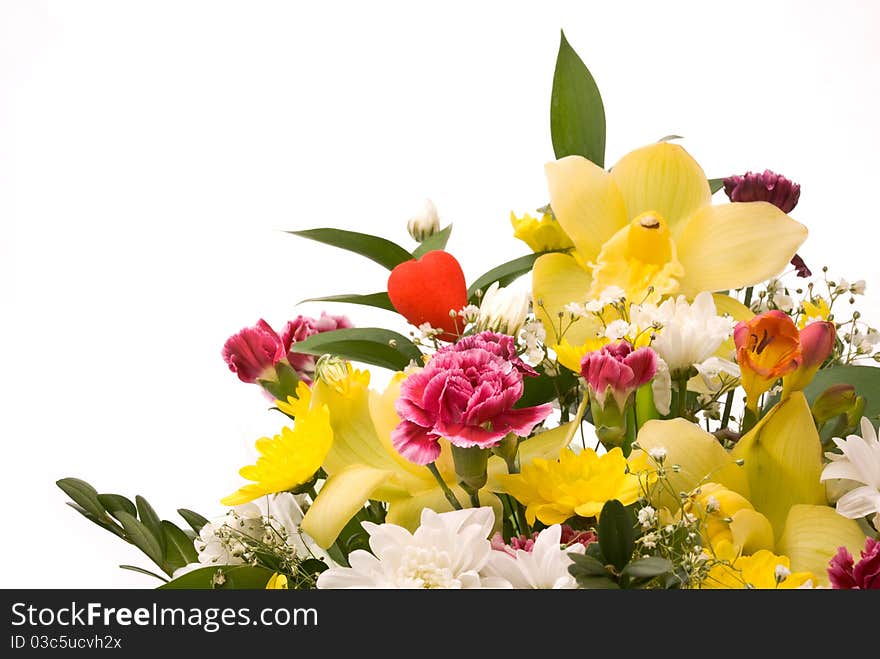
x=152 y=153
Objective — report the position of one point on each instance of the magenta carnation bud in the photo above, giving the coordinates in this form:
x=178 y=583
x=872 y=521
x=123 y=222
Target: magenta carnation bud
x=864 y=575
x=618 y=370
x=301 y=328
x=769 y=186
x=253 y=352
x=466 y=395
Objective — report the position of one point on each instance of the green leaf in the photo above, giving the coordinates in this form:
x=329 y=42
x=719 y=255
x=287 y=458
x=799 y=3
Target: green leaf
x=195 y=521
x=503 y=274
x=715 y=184
x=83 y=495
x=543 y=389
x=114 y=503
x=616 y=536
x=104 y=521
x=150 y=519
x=647 y=568
x=228 y=577
x=577 y=116
x=140 y=570
x=597 y=583
x=179 y=549
x=382 y=251
x=378 y=300
x=139 y=535
x=584 y=565
x=370 y=345
x=429 y=244
x=865 y=379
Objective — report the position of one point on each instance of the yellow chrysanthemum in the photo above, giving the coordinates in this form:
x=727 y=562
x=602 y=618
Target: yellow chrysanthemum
x=763 y=569
x=576 y=484
x=542 y=235
x=277 y=581
x=291 y=458
x=816 y=309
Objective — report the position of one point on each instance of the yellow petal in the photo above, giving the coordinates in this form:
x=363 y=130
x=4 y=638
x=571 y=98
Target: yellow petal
x=751 y=531
x=735 y=245
x=545 y=445
x=813 y=534
x=664 y=178
x=724 y=304
x=277 y=581
x=586 y=202
x=407 y=511
x=558 y=280
x=343 y=495
x=699 y=455
x=783 y=460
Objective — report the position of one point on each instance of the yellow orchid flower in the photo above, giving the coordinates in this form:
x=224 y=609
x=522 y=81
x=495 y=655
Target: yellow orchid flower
x=362 y=463
x=648 y=224
x=544 y=235
x=763 y=569
x=781 y=461
x=290 y=458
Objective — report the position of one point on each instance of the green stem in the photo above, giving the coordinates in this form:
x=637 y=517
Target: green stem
x=450 y=497
x=310 y=490
x=748 y=299
x=728 y=406
x=521 y=520
x=682 y=395
x=750 y=418
x=475 y=498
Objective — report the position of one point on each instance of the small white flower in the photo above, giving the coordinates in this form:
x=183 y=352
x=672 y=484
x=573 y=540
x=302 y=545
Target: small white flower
x=649 y=540
x=616 y=330
x=448 y=550
x=691 y=333
x=859 y=462
x=532 y=336
x=544 y=567
x=783 y=302
x=657 y=453
x=576 y=310
x=503 y=310
x=842 y=286
x=424 y=224
x=782 y=573
x=858 y=287
x=647 y=517
x=712 y=505
x=470 y=313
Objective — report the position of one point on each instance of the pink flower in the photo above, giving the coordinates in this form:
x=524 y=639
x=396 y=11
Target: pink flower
x=516 y=542
x=571 y=536
x=864 y=575
x=619 y=370
x=301 y=328
x=498 y=344
x=253 y=352
x=465 y=395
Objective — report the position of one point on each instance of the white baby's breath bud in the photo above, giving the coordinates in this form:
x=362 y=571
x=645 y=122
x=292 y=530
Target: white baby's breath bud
x=658 y=454
x=576 y=310
x=712 y=505
x=470 y=313
x=782 y=573
x=616 y=330
x=503 y=310
x=424 y=224
x=858 y=287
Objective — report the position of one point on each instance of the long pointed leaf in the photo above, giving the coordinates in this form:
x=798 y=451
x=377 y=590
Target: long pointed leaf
x=139 y=535
x=504 y=273
x=229 y=577
x=140 y=570
x=371 y=345
x=150 y=519
x=195 y=521
x=179 y=549
x=382 y=251
x=378 y=300
x=437 y=241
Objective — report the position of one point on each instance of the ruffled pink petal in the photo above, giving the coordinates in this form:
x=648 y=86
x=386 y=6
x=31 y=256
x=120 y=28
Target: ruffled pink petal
x=252 y=351
x=466 y=436
x=523 y=421
x=643 y=363
x=415 y=443
x=407 y=410
x=840 y=570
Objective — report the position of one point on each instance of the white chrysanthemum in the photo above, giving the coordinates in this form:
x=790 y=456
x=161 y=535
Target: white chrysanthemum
x=448 y=550
x=691 y=332
x=503 y=309
x=544 y=567
x=859 y=463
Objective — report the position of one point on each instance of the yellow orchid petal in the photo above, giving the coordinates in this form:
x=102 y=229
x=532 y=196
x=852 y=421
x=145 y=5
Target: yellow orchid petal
x=812 y=535
x=558 y=280
x=735 y=245
x=407 y=512
x=586 y=202
x=724 y=304
x=663 y=178
x=783 y=460
x=699 y=455
x=341 y=497
x=542 y=235
x=751 y=531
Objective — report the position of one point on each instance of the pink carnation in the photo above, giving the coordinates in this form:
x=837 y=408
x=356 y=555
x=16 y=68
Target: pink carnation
x=619 y=370
x=301 y=328
x=253 y=352
x=864 y=575
x=498 y=344
x=465 y=395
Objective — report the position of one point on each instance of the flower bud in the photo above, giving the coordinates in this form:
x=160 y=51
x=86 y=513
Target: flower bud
x=253 y=352
x=425 y=224
x=767 y=348
x=470 y=466
x=503 y=310
x=817 y=342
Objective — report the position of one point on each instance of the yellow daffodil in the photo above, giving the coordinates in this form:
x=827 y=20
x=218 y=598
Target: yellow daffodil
x=291 y=458
x=575 y=484
x=544 y=235
x=775 y=467
x=277 y=581
x=763 y=570
x=362 y=463
x=648 y=225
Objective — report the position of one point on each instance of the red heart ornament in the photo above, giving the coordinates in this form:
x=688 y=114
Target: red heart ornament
x=424 y=291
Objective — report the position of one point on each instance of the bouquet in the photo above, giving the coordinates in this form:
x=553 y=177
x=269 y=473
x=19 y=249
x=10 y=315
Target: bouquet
x=661 y=394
